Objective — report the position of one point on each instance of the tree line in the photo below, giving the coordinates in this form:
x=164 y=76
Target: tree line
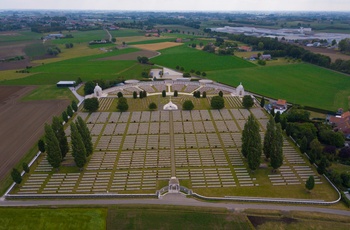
x=280 y=49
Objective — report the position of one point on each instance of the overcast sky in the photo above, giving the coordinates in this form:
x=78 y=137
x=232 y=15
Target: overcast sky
x=187 y=5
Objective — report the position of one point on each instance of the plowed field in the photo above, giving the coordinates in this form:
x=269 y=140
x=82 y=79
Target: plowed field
x=22 y=123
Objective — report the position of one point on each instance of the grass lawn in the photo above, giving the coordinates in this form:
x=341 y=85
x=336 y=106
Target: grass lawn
x=190 y=58
x=49 y=92
x=303 y=84
x=166 y=217
x=46 y=218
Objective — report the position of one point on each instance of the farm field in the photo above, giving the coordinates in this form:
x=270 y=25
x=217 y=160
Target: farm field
x=190 y=58
x=22 y=124
x=53 y=218
x=163 y=217
x=168 y=217
x=82 y=36
x=157 y=46
x=88 y=68
x=303 y=84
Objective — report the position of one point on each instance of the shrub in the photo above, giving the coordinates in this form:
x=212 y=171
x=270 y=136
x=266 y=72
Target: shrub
x=217 y=102
x=91 y=104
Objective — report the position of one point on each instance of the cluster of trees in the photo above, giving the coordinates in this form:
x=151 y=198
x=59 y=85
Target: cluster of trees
x=173 y=21
x=53 y=50
x=188 y=74
x=142 y=94
x=143 y=59
x=280 y=49
x=319 y=141
x=69 y=45
x=344 y=45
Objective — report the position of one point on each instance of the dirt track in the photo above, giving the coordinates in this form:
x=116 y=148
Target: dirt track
x=22 y=123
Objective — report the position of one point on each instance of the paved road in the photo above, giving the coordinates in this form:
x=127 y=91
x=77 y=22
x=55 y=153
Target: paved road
x=171 y=199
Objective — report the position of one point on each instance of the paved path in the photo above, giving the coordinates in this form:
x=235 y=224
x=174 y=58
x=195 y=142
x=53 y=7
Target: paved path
x=171 y=199
x=172 y=145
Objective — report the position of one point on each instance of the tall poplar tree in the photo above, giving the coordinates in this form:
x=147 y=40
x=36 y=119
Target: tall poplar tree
x=269 y=137
x=277 y=153
x=52 y=147
x=58 y=129
x=85 y=134
x=251 y=143
x=78 y=148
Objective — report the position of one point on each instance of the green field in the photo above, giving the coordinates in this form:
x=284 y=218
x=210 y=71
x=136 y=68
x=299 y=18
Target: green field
x=153 y=217
x=88 y=68
x=303 y=84
x=190 y=58
x=82 y=36
x=19 y=36
x=54 y=218
x=35 y=50
x=126 y=33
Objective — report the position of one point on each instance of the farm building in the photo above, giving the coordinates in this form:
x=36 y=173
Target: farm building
x=278 y=106
x=65 y=84
x=341 y=122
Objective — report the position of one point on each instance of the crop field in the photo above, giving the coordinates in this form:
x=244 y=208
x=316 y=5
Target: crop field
x=174 y=218
x=303 y=84
x=82 y=36
x=157 y=46
x=22 y=124
x=125 y=33
x=190 y=58
x=152 y=41
x=18 y=36
x=88 y=68
x=53 y=218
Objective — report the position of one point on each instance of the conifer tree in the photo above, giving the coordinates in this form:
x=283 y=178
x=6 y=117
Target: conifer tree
x=41 y=145
x=69 y=111
x=277 y=153
x=269 y=137
x=58 y=129
x=65 y=116
x=78 y=148
x=16 y=176
x=251 y=143
x=278 y=117
x=262 y=102
x=52 y=147
x=74 y=106
x=85 y=134
x=310 y=183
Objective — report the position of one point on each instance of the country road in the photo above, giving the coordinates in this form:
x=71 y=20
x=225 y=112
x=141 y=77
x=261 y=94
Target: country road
x=109 y=34
x=169 y=199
